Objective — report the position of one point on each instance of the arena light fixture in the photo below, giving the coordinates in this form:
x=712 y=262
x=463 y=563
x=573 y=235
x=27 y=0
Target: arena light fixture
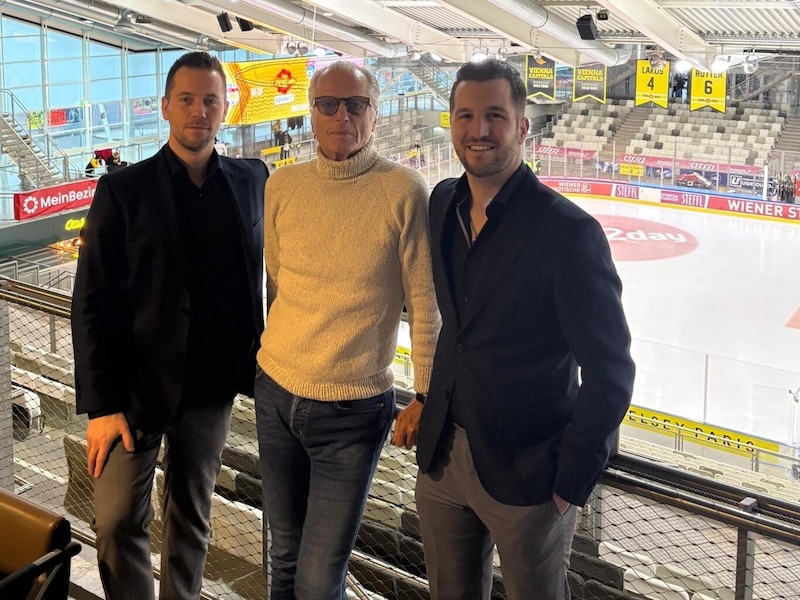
x=537 y=54
x=682 y=66
x=502 y=53
x=302 y=48
x=413 y=53
x=721 y=63
x=434 y=57
x=657 y=60
x=479 y=54
x=750 y=64
x=291 y=48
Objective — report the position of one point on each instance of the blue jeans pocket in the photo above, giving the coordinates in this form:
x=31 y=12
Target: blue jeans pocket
x=364 y=405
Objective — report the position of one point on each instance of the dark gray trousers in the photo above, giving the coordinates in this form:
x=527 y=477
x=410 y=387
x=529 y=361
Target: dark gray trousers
x=123 y=512
x=461 y=523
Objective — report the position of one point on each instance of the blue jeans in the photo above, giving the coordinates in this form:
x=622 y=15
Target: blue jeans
x=317 y=462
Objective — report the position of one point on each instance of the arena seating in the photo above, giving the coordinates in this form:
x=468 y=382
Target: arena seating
x=588 y=125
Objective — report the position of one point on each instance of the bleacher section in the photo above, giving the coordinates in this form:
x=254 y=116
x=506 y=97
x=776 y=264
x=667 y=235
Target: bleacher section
x=745 y=134
x=588 y=125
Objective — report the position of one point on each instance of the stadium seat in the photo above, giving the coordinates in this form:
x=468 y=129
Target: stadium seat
x=36 y=549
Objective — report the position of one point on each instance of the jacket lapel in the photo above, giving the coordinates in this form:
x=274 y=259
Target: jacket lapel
x=443 y=292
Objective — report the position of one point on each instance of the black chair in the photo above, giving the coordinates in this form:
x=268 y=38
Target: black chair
x=591 y=567
x=36 y=549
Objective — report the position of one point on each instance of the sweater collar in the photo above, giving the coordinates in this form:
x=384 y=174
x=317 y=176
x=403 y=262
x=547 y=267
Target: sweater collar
x=354 y=166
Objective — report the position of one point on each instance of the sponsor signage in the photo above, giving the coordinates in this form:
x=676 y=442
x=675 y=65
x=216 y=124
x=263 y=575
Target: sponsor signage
x=631 y=169
x=562 y=152
x=54 y=199
x=269 y=90
x=697 y=165
x=682 y=198
x=444 y=119
x=589 y=82
x=652 y=85
x=708 y=90
x=540 y=77
x=703 y=433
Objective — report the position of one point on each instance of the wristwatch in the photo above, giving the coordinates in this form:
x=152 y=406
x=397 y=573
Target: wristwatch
x=420 y=397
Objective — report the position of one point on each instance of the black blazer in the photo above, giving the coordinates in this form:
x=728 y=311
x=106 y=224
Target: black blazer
x=545 y=302
x=130 y=305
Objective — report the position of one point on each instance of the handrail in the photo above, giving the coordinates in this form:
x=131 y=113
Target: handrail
x=51 y=148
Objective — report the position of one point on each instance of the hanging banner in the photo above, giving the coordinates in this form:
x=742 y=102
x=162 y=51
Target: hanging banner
x=54 y=199
x=652 y=85
x=270 y=90
x=708 y=89
x=589 y=82
x=540 y=77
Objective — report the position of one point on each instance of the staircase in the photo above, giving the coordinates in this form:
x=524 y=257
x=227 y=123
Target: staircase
x=789 y=144
x=627 y=130
x=437 y=80
x=36 y=168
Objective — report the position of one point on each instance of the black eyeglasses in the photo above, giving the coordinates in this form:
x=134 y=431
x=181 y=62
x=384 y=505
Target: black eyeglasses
x=329 y=105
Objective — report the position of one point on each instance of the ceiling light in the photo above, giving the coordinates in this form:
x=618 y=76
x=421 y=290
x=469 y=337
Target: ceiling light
x=721 y=64
x=750 y=64
x=479 y=54
x=319 y=51
x=537 y=54
x=413 y=54
x=502 y=53
x=434 y=57
x=682 y=66
x=656 y=59
x=291 y=48
x=302 y=49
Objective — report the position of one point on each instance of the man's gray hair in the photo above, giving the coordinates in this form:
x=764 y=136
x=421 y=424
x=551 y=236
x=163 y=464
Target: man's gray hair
x=373 y=89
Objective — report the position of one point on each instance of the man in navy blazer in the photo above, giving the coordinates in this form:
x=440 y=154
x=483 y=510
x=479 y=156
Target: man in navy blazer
x=166 y=317
x=512 y=437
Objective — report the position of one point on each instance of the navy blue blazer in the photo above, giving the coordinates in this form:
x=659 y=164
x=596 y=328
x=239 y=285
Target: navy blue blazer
x=545 y=305
x=131 y=305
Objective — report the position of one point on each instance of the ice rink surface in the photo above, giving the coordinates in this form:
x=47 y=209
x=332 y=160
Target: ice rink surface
x=713 y=303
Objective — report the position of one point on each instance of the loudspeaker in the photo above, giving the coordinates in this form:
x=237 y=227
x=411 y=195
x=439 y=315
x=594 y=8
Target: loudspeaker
x=224 y=22
x=244 y=24
x=586 y=27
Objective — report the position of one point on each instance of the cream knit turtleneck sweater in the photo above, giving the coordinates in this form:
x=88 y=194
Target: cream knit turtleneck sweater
x=346 y=244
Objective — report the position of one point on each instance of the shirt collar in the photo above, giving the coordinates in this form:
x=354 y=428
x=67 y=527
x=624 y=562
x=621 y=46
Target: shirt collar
x=502 y=199
x=175 y=165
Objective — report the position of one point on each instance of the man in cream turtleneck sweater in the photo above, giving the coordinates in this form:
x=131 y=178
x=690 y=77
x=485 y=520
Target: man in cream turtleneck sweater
x=346 y=246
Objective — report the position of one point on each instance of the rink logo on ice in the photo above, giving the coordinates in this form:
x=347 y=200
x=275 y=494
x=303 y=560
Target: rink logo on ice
x=639 y=239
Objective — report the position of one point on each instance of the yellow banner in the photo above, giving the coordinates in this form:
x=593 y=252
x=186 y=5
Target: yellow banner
x=444 y=119
x=652 y=85
x=702 y=433
x=285 y=161
x=708 y=89
x=631 y=169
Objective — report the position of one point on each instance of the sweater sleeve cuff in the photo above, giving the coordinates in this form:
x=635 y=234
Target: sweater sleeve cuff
x=422 y=379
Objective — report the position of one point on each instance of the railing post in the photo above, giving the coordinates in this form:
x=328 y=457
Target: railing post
x=745 y=556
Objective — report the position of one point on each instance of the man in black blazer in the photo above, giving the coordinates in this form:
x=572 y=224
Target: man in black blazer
x=510 y=437
x=166 y=317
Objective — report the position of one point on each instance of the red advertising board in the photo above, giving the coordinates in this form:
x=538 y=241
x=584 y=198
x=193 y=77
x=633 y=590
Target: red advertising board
x=697 y=165
x=682 y=198
x=561 y=152
x=54 y=199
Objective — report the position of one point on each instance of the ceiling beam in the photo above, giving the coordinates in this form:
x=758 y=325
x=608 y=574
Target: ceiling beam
x=398 y=26
x=662 y=29
x=202 y=22
x=515 y=30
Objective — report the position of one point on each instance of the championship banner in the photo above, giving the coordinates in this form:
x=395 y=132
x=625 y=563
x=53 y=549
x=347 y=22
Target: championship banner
x=652 y=85
x=540 y=77
x=589 y=82
x=269 y=90
x=708 y=89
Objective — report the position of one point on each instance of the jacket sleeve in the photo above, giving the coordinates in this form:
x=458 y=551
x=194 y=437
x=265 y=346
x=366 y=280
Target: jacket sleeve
x=589 y=307
x=101 y=315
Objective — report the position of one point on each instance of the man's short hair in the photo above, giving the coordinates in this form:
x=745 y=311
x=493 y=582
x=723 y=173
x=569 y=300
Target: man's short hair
x=342 y=66
x=195 y=60
x=489 y=69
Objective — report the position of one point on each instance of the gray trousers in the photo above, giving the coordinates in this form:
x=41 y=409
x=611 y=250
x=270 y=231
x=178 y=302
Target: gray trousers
x=123 y=512
x=461 y=523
